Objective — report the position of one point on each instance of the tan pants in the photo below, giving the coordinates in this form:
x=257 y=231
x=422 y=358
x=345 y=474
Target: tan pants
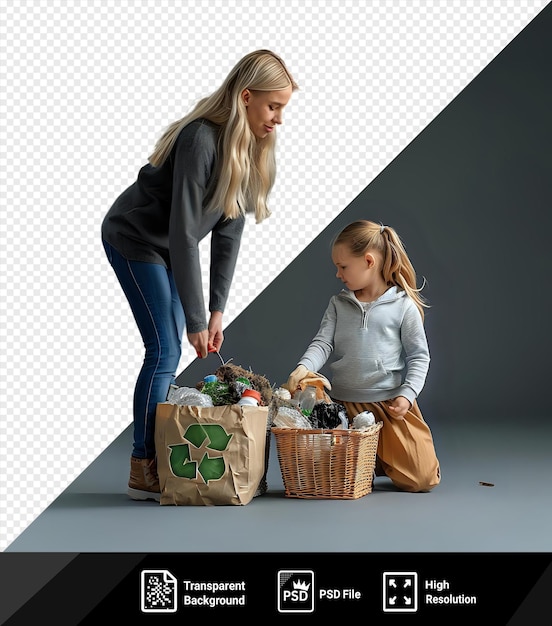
x=406 y=453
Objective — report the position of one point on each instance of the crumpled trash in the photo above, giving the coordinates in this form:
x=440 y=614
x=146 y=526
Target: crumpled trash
x=188 y=396
x=288 y=417
x=282 y=394
x=329 y=415
x=363 y=420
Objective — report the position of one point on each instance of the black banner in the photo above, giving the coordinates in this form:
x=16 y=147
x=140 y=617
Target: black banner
x=429 y=588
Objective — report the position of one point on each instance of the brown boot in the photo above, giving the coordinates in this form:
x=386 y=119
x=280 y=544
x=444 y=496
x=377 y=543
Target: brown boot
x=144 y=482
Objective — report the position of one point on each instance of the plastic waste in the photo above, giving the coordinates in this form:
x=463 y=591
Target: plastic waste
x=188 y=396
x=288 y=417
x=329 y=415
x=215 y=388
x=344 y=420
x=364 y=420
x=307 y=400
x=241 y=384
x=282 y=394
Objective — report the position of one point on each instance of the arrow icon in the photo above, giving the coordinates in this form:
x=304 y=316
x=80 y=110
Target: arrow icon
x=400 y=592
x=179 y=460
x=215 y=434
x=211 y=469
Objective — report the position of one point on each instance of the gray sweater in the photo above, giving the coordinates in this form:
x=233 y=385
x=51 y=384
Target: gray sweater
x=380 y=349
x=161 y=218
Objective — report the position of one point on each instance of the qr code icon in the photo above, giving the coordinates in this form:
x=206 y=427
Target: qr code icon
x=158 y=591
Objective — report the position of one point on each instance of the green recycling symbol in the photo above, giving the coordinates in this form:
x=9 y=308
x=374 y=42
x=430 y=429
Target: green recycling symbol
x=210 y=468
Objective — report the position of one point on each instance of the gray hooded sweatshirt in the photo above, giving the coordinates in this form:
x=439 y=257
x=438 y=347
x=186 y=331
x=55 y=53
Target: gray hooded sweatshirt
x=380 y=348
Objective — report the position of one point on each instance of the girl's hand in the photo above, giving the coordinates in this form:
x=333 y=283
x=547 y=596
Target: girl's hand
x=295 y=378
x=398 y=407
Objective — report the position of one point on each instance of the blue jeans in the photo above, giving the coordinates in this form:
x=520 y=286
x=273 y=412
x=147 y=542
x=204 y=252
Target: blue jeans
x=151 y=292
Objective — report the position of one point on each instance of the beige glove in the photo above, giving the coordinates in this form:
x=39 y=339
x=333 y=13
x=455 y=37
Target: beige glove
x=302 y=377
x=294 y=378
x=319 y=382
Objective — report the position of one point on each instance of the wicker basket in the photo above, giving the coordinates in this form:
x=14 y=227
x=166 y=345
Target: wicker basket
x=334 y=464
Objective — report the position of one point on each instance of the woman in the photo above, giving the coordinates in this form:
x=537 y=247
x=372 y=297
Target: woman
x=207 y=170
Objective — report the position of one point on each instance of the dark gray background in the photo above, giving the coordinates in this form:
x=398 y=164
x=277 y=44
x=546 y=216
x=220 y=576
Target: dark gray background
x=471 y=198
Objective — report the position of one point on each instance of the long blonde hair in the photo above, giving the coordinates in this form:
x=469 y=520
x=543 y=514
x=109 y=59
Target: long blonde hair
x=247 y=165
x=363 y=236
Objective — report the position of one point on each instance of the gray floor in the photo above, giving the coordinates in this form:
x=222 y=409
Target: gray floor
x=515 y=515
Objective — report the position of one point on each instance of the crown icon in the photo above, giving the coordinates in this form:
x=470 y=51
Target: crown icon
x=301 y=585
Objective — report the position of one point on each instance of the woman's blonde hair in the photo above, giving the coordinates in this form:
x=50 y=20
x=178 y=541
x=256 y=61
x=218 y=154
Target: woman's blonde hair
x=247 y=166
x=364 y=236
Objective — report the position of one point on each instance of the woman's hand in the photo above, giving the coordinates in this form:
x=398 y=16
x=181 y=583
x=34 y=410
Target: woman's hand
x=209 y=340
x=216 y=336
x=199 y=342
x=398 y=407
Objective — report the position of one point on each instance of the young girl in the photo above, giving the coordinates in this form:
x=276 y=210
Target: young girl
x=207 y=170
x=375 y=328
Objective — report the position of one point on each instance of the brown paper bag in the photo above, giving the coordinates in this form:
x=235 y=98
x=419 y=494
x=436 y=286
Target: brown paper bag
x=210 y=455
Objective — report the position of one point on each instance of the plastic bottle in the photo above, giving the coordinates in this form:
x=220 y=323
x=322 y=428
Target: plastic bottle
x=250 y=397
x=307 y=400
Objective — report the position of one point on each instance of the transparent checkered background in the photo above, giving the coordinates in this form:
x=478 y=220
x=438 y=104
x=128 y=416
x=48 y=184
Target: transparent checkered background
x=87 y=87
